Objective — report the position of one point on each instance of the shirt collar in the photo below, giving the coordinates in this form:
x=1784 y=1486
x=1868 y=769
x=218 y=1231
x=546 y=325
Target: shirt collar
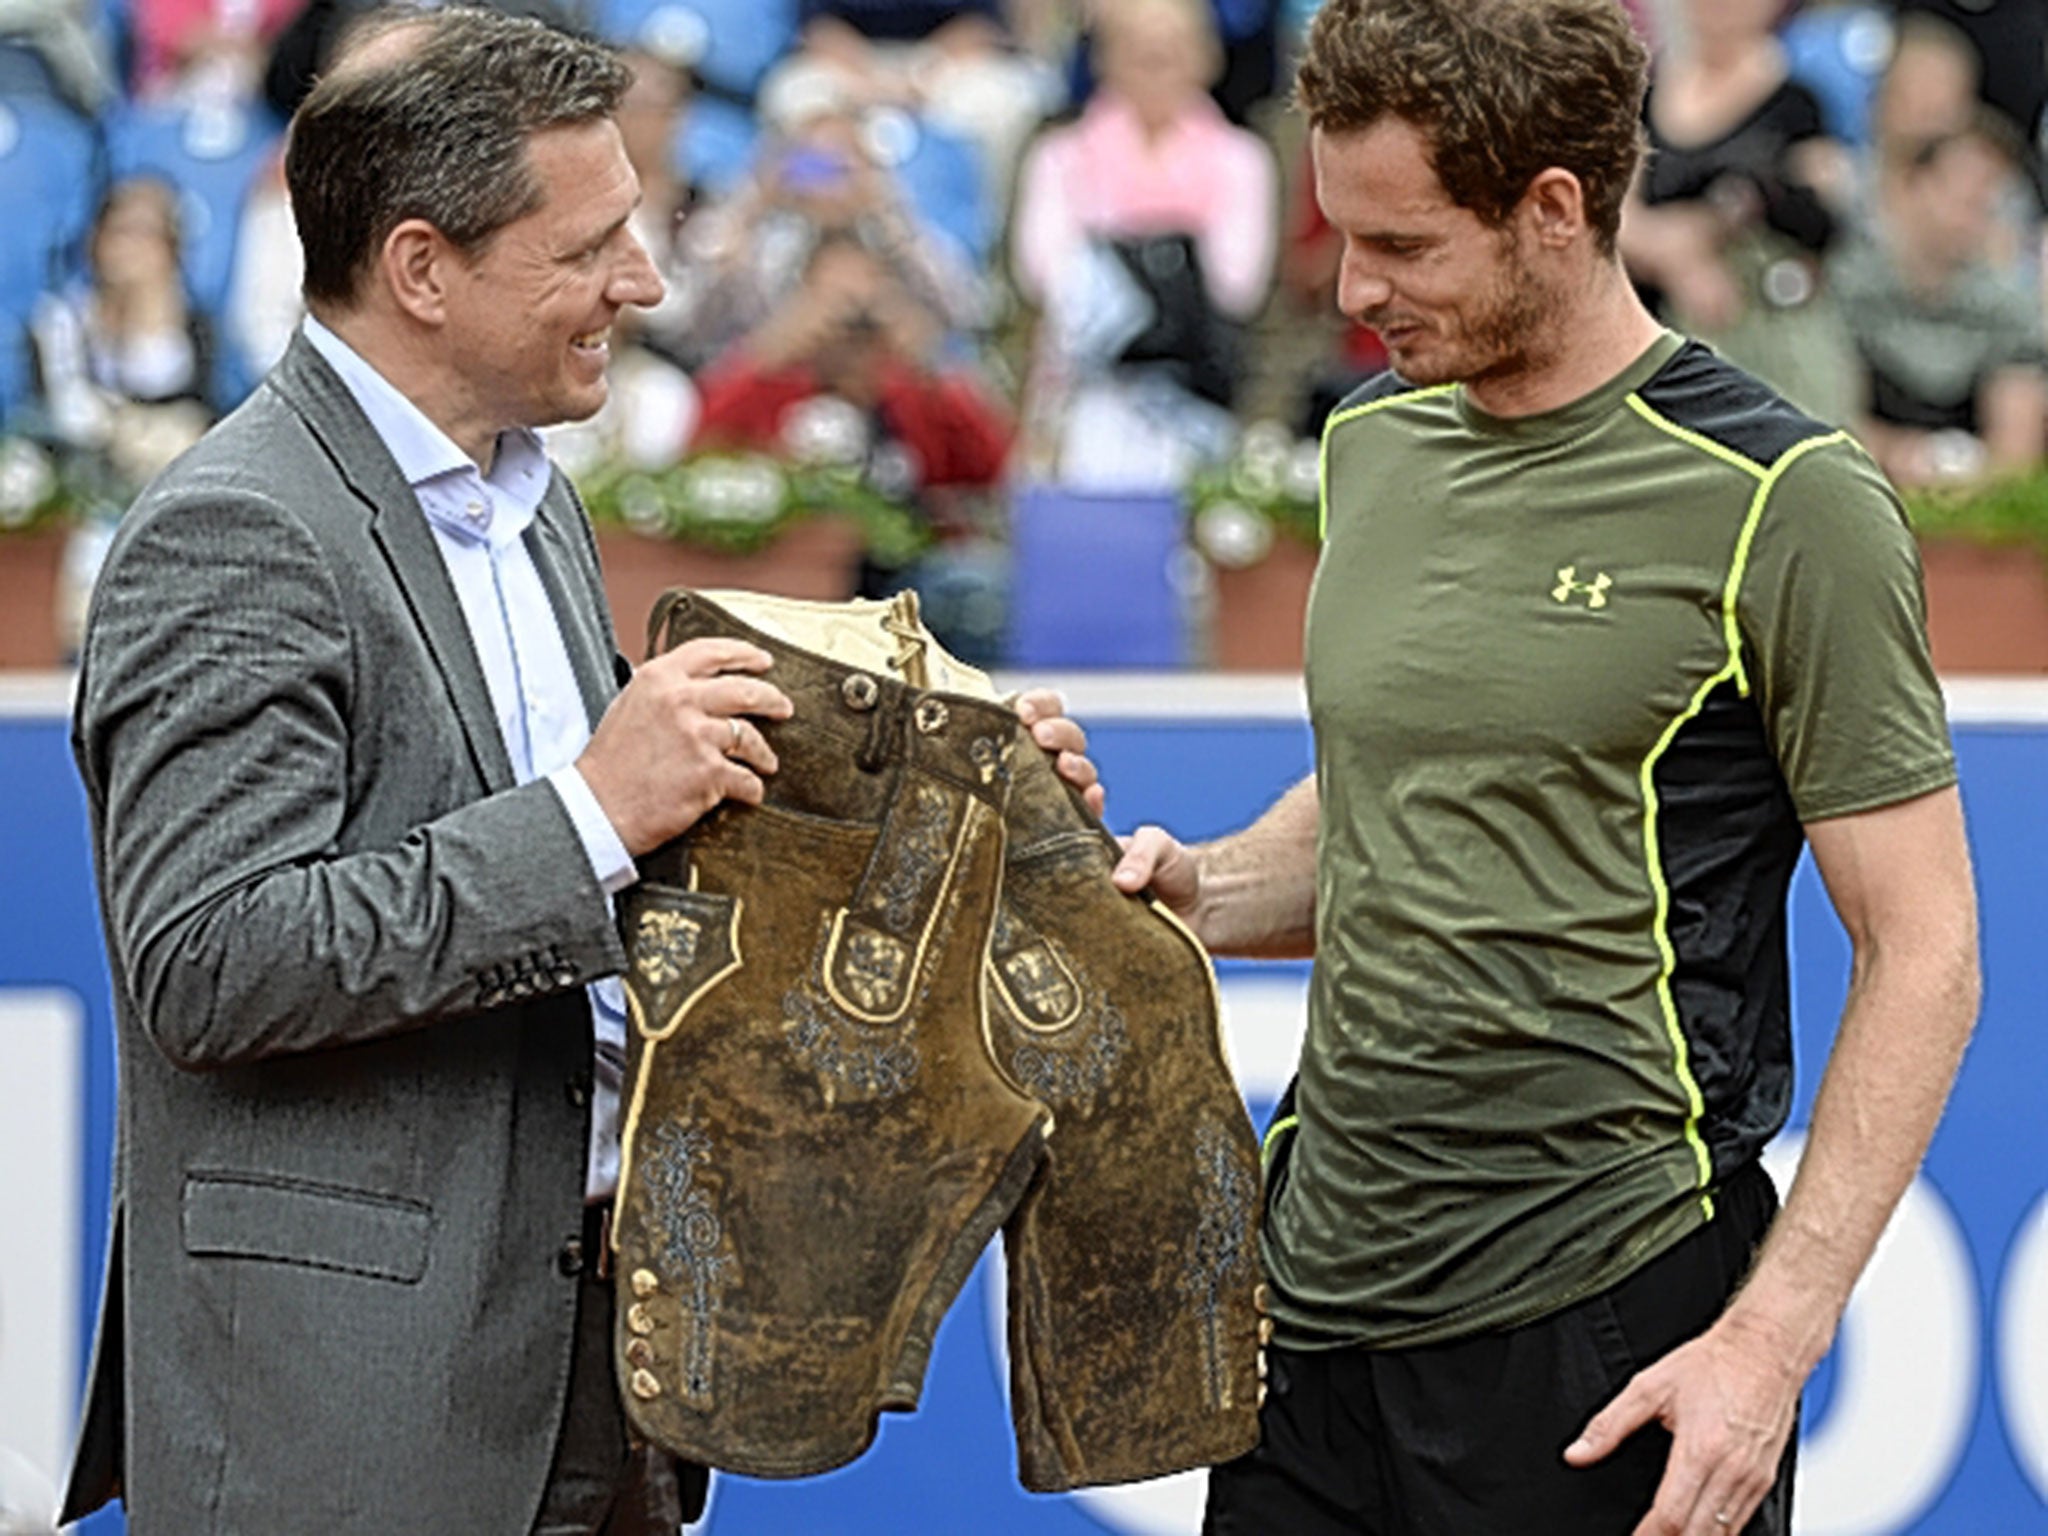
x=454 y=494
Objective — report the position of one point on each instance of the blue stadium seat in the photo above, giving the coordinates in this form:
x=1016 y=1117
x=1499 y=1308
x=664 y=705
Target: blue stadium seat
x=730 y=43
x=50 y=178
x=212 y=153
x=1094 y=580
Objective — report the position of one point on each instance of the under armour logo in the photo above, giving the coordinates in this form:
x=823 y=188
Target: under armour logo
x=1569 y=586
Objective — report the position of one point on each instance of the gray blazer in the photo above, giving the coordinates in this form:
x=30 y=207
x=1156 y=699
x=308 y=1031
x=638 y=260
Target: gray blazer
x=348 y=957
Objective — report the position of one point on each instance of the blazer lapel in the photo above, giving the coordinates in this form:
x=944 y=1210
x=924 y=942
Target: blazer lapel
x=401 y=532
x=584 y=632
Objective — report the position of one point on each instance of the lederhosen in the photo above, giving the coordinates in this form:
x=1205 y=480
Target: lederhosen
x=860 y=1012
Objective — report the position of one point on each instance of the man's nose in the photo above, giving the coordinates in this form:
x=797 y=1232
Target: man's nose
x=637 y=281
x=1360 y=290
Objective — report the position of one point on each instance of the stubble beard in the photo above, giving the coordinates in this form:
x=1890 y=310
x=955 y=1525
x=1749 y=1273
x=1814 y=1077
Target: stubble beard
x=1507 y=334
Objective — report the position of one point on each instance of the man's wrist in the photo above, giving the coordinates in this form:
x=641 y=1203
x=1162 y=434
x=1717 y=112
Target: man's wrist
x=1793 y=1324
x=610 y=861
x=1207 y=917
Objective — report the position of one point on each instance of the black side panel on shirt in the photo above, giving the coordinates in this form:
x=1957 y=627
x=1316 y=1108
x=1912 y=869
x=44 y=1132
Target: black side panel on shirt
x=1697 y=390
x=1730 y=840
x=1379 y=387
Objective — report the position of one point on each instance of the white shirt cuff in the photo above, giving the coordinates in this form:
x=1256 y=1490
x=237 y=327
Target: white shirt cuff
x=609 y=860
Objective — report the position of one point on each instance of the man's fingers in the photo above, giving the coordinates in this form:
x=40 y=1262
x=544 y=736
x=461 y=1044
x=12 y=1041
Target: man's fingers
x=1736 y=1477
x=1060 y=734
x=740 y=782
x=1037 y=704
x=732 y=695
x=1630 y=1411
x=1678 y=1509
x=1728 y=1494
x=747 y=744
x=712 y=654
x=1142 y=851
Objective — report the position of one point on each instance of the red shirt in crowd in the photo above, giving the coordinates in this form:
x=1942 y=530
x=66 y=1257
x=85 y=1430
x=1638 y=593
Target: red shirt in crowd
x=958 y=435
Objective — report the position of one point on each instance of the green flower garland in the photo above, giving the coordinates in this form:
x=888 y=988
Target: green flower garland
x=739 y=503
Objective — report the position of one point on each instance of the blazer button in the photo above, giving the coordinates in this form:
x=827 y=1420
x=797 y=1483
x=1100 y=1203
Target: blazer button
x=579 y=1094
x=570 y=1260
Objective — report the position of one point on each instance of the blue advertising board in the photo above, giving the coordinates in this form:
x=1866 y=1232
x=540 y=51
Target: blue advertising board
x=1931 y=1417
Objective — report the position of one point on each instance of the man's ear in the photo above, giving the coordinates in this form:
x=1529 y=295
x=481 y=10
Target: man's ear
x=417 y=265
x=1554 y=208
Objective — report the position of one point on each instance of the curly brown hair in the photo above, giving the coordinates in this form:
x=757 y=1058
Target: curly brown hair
x=1502 y=89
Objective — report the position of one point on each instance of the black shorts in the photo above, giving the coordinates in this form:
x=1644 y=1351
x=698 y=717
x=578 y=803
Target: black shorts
x=1467 y=1438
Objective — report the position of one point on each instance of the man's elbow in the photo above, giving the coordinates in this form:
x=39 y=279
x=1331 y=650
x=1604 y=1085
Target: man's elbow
x=186 y=1005
x=184 y=1026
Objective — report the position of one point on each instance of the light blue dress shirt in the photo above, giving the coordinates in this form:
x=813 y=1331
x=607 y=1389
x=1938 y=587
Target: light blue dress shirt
x=478 y=521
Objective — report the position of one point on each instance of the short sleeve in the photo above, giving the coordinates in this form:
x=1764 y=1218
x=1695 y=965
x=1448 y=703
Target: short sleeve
x=1834 y=633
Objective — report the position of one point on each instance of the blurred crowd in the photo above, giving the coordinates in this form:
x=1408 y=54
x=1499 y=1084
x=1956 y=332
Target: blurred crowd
x=1065 y=241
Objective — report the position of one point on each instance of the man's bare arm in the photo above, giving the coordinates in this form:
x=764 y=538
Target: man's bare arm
x=1900 y=880
x=1251 y=893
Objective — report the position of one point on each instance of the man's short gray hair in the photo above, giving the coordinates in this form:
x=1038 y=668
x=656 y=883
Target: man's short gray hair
x=428 y=118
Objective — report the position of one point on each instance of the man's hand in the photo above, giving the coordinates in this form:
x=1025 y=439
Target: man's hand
x=674 y=743
x=1729 y=1398
x=1045 y=714
x=1151 y=857
x=1154 y=856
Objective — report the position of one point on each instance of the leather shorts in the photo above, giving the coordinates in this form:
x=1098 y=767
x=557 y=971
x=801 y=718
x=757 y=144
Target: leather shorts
x=859 y=1012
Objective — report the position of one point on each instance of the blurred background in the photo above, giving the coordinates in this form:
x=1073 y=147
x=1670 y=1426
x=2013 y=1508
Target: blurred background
x=1027 y=305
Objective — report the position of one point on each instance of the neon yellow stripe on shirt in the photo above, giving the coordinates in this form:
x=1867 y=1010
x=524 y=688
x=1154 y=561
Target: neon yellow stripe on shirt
x=1337 y=419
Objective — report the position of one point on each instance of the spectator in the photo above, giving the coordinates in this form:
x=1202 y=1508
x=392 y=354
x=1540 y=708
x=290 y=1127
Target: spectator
x=1930 y=87
x=1151 y=213
x=1952 y=341
x=844 y=372
x=2007 y=45
x=739 y=259
x=1249 y=35
x=853 y=332
x=956 y=66
x=123 y=360
x=211 y=47
x=1737 y=208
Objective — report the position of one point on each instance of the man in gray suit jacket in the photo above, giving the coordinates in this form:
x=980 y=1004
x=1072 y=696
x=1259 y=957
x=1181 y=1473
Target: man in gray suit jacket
x=361 y=775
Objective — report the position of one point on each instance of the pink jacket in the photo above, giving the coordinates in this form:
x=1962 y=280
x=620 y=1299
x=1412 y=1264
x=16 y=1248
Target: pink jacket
x=1102 y=176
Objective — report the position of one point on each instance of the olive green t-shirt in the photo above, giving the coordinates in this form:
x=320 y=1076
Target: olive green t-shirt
x=1577 y=681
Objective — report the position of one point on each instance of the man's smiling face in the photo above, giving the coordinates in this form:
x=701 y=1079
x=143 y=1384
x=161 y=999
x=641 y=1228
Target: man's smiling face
x=530 y=315
x=1449 y=294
